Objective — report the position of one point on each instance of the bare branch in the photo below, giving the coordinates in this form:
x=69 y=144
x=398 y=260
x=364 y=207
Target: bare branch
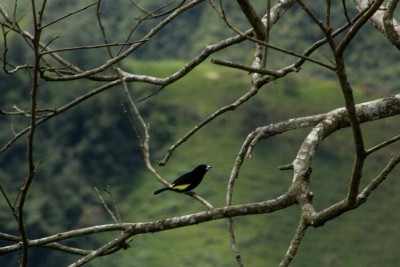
x=272 y=73
x=248 y=35
x=333 y=121
x=21 y=198
x=369 y=12
x=383 y=19
x=90 y=47
x=145 y=143
x=234 y=245
x=48 y=64
x=68 y=15
x=130 y=50
x=383 y=144
x=320 y=218
x=252 y=17
x=281 y=127
x=59 y=110
x=204 y=122
x=153 y=14
x=363 y=196
x=392 y=28
x=54 y=245
x=200 y=58
x=104 y=204
x=12 y=209
x=268 y=206
x=295 y=243
x=118 y=242
x=200 y=199
x=355 y=126
x=145 y=146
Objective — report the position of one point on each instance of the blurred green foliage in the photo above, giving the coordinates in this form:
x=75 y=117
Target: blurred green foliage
x=190 y=32
x=93 y=145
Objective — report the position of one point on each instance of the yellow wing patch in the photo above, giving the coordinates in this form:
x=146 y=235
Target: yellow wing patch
x=179 y=187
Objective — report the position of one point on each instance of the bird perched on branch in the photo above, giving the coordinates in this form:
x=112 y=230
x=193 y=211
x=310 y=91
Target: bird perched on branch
x=188 y=181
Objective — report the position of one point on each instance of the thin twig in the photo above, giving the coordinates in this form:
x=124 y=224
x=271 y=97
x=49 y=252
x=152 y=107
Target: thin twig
x=346 y=14
x=234 y=245
x=365 y=193
x=205 y=121
x=104 y=204
x=200 y=199
x=83 y=47
x=382 y=145
x=53 y=245
x=102 y=29
x=12 y=209
x=59 y=110
x=249 y=69
x=68 y=15
x=357 y=25
x=114 y=202
x=116 y=244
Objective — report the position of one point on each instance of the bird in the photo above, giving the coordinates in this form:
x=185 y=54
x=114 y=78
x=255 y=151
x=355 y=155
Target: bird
x=187 y=181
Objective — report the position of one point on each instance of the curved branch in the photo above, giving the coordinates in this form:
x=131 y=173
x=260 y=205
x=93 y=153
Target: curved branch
x=391 y=26
x=383 y=20
x=334 y=121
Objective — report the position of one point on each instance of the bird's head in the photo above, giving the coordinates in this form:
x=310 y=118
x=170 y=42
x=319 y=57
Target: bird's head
x=203 y=167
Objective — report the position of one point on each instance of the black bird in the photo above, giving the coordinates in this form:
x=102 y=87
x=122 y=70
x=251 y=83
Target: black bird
x=187 y=181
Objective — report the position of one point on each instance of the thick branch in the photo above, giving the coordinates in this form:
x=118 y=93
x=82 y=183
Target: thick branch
x=334 y=121
x=253 y=18
x=392 y=28
x=262 y=207
x=382 y=19
x=337 y=119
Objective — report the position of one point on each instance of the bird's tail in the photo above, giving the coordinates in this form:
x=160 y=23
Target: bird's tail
x=160 y=190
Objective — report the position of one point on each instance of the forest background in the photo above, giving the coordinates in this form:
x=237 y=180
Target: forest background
x=93 y=145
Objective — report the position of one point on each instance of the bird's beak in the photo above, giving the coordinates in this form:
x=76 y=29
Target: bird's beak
x=208 y=167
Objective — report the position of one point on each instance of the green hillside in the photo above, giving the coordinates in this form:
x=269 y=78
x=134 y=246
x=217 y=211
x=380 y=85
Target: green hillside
x=263 y=239
x=370 y=56
x=93 y=145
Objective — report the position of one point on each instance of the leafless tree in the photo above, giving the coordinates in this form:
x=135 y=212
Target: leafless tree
x=50 y=65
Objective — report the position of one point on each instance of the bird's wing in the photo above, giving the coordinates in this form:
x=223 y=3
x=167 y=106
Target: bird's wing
x=182 y=182
x=179 y=186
